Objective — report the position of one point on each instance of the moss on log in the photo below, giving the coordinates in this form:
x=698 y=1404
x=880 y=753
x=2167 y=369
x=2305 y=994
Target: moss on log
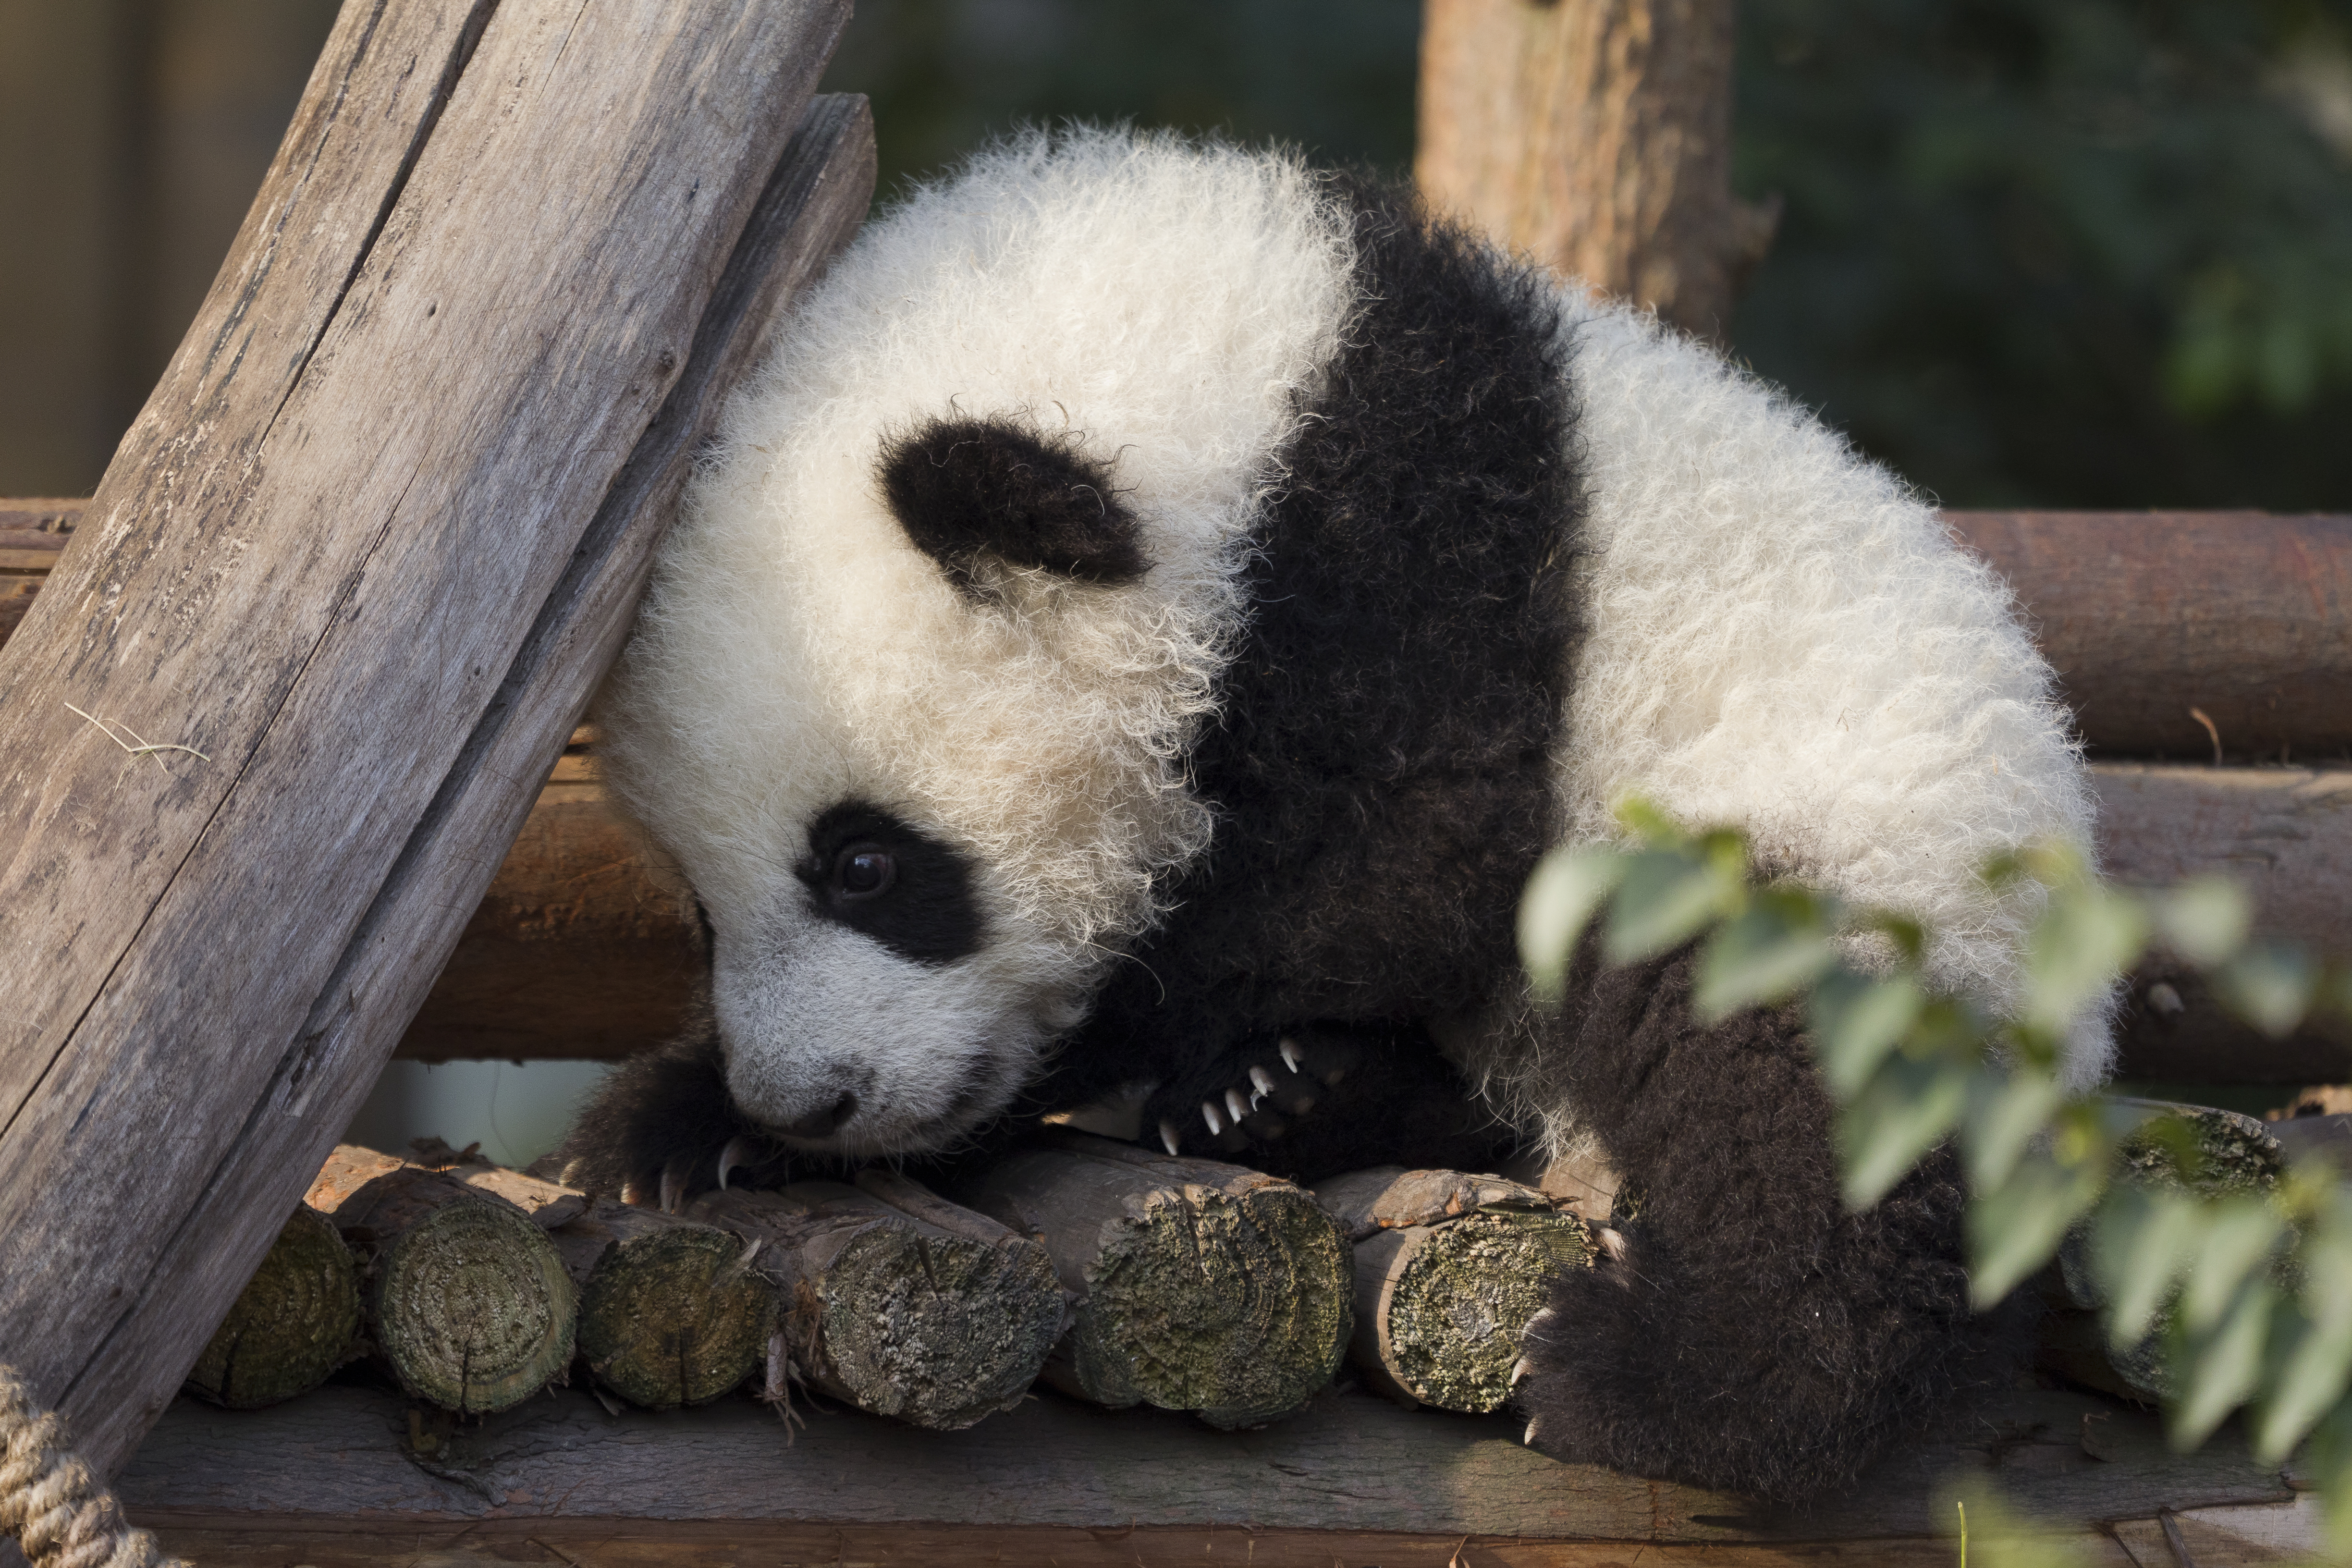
x=1202 y=1286
x=670 y=1314
x=295 y=1321
x=1449 y=1269
x=466 y=1299
x=898 y=1301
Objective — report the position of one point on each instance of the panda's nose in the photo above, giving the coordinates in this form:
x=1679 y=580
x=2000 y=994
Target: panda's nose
x=823 y=1123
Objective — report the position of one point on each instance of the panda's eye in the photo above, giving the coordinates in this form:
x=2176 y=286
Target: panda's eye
x=863 y=871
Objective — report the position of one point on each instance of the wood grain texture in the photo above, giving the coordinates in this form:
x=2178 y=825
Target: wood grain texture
x=2242 y=615
x=1350 y=1464
x=585 y=945
x=367 y=549
x=1595 y=135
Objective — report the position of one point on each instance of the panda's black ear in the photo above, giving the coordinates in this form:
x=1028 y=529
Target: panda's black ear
x=966 y=489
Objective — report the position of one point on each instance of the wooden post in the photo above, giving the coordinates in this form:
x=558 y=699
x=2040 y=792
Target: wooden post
x=365 y=555
x=1596 y=136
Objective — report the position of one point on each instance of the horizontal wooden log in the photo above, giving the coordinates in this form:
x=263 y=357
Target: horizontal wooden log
x=1351 y=1477
x=1200 y=1286
x=297 y=1320
x=670 y=1314
x=468 y=1302
x=2243 y=616
x=1449 y=1269
x=897 y=1300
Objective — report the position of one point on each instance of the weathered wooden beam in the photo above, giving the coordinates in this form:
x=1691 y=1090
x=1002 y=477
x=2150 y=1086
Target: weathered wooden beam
x=2245 y=617
x=1351 y=1479
x=366 y=552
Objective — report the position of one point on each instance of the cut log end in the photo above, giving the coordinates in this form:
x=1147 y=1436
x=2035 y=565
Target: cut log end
x=295 y=1321
x=1236 y=1306
x=1442 y=1307
x=675 y=1316
x=472 y=1308
x=934 y=1330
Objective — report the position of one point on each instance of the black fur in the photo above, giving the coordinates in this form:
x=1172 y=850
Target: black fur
x=927 y=911
x=965 y=487
x=1755 y=1336
x=663 y=1112
x=1381 y=767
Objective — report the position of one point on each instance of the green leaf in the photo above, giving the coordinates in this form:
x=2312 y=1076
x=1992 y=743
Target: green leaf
x=2329 y=1460
x=2315 y=1366
x=2016 y=1230
x=1778 y=947
x=2005 y=1114
x=1906 y=1110
x=2204 y=919
x=1856 y=1021
x=2085 y=939
x=1568 y=888
x=2239 y=1235
x=1667 y=897
x=2270 y=986
x=2223 y=1369
x=2139 y=1242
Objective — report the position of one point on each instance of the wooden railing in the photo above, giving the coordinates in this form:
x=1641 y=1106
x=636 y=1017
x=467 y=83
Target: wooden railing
x=2207 y=655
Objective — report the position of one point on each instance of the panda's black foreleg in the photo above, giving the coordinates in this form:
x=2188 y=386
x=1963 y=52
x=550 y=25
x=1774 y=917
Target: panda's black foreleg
x=1315 y=1100
x=1746 y=1331
x=661 y=1125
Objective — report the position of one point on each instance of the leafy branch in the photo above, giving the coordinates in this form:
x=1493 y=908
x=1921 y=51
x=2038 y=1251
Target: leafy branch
x=2251 y=1294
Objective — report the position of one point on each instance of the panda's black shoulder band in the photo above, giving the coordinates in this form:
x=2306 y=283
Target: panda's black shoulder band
x=968 y=489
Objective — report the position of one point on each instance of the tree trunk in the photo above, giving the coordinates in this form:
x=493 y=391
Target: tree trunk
x=466 y=1300
x=295 y=1321
x=1595 y=135
x=1449 y=1269
x=897 y=1300
x=1202 y=1286
x=364 y=554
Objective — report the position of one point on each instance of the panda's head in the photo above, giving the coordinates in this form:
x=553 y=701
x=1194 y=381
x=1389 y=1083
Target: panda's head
x=910 y=697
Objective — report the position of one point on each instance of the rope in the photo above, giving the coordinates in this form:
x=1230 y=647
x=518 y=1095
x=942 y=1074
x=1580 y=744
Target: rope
x=49 y=1500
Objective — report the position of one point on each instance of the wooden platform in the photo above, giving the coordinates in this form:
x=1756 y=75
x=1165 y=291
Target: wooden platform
x=335 y=1480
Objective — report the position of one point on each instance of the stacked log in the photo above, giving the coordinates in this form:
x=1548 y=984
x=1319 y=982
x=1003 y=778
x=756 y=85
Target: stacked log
x=670 y=1314
x=467 y=1301
x=1449 y=1269
x=895 y=1301
x=297 y=1320
x=1201 y=1286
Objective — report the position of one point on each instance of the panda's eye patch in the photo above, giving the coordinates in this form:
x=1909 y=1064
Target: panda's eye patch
x=863 y=871
x=872 y=871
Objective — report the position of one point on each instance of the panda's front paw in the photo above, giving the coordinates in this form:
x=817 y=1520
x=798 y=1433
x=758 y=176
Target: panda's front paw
x=661 y=1129
x=1317 y=1100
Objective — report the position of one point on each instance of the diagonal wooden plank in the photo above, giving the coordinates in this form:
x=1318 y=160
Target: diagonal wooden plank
x=355 y=582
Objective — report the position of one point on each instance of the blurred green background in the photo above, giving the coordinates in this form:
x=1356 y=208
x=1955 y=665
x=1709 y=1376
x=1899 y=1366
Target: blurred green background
x=2036 y=252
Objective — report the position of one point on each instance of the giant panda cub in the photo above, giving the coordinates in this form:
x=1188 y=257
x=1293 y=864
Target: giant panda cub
x=1137 y=635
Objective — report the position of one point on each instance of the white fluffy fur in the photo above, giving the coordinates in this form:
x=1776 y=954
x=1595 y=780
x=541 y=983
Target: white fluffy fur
x=1169 y=303
x=1785 y=638
x=1782 y=638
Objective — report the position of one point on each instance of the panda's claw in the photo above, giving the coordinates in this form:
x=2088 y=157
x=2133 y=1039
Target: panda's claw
x=1209 y=1115
x=1519 y=1370
x=1289 y=1050
x=1168 y=1137
x=673 y=1187
x=1261 y=1080
x=1237 y=1106
x=736 y=1155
